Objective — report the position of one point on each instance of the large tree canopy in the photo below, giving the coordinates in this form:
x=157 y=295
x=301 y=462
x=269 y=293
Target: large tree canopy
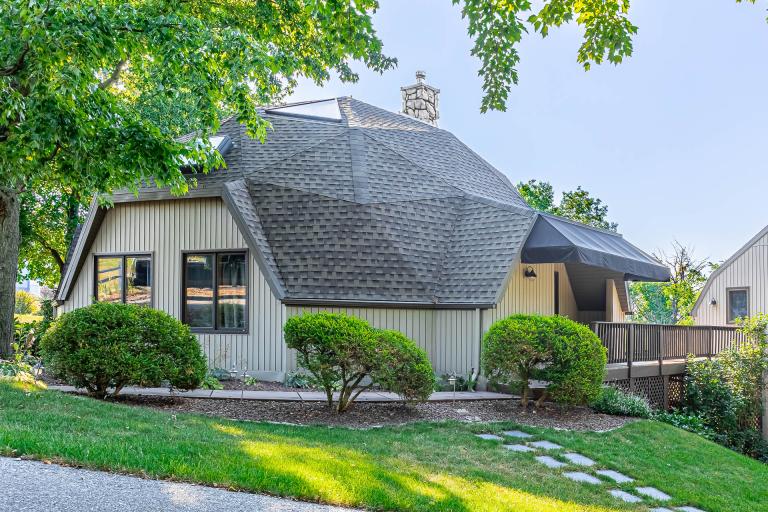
x=576 y=205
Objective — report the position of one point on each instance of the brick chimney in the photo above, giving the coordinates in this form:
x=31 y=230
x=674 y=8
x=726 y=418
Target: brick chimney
x=421 y=100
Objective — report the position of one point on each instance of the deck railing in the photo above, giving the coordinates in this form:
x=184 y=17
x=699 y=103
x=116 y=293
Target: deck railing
x=629 y=343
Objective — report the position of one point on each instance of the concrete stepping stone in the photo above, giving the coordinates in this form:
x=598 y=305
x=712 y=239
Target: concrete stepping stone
x=578 y=476
x=688 y=509
x=625 y=496
x=518 y=448
x=546 y=445
x=579 y=459
x=654 y=493
x=517 y=433
x=550 y=462
x=489 y=437
x=615 y=476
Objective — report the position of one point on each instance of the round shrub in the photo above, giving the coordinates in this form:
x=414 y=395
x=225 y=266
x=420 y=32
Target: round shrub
x=337 y=349
x=514 y=347
x=109 y=345
x=576 y=367
x=612 y=400
x=403 y=368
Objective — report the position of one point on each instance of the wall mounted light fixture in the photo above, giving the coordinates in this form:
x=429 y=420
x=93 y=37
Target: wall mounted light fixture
x=529 y=273
x=713 y=302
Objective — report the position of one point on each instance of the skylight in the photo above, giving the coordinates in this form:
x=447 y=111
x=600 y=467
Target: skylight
x=323 y=109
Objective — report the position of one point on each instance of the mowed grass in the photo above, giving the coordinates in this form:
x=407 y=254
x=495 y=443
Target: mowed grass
x=426 y=466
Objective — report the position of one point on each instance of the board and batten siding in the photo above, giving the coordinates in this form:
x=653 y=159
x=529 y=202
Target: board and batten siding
x=748 y=270
x=165 y=229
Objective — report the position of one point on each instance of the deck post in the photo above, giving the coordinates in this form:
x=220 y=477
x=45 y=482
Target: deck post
x=630 y=355
x=709 y=344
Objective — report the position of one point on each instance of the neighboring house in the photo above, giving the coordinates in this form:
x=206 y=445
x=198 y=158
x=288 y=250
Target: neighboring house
x=739 y=287
x=348 y=207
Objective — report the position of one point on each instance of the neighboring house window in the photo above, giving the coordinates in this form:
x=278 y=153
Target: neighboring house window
x=124 y=278
x=215 y=291
x=738 y=303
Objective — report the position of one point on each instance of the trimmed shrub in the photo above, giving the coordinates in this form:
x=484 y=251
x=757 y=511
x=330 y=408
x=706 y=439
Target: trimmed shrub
x=567 y=355
x=514 y=347
x=337 y=349
x=576 y=369
x=108 y=345
x=613 y=400
x=404 y=367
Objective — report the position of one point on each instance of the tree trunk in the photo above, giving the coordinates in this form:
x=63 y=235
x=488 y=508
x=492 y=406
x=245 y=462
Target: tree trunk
x=9 y=262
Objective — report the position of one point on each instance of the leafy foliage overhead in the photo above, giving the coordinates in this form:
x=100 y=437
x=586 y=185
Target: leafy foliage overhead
x=576 y=205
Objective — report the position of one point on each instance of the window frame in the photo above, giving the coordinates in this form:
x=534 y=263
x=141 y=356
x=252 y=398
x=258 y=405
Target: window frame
x=215 y=253
x=123 y=287
x=728 y=291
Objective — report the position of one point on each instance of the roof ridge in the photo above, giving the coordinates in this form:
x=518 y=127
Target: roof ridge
x=298 y=152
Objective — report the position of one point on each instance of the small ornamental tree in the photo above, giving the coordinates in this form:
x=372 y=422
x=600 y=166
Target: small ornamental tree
x=404 y=367
x=576 y=369
x=513 y=348
x=566 y=354
x=108 y=346
x=338 y=350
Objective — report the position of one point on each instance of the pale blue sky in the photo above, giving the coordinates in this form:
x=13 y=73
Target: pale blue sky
x=674 y=140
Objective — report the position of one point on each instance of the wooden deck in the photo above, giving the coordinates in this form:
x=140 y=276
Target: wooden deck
x=649 y=359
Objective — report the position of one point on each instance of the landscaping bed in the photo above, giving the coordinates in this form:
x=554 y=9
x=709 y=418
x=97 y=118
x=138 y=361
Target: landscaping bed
x=370 y=414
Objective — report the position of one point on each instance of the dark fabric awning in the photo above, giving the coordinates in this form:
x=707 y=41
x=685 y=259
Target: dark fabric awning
x=557 y=240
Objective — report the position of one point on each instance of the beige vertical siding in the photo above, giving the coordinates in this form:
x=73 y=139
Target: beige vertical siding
x=534 y=296
x=613 y=310
x=165 y=229
x=450 y=337
x=749 y=270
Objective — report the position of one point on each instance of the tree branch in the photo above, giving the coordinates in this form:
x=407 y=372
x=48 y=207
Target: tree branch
x=114 y=76
x=16 y=67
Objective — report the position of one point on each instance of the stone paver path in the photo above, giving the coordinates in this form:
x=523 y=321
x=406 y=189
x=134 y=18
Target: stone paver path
x=615 y=476
x=559 y=460
x=625 y=496
x=519 y=448
x=546 y=445
x=550 y=462
x=517 y=433
x=578 y=476
x=653 y=493
x=579 y=459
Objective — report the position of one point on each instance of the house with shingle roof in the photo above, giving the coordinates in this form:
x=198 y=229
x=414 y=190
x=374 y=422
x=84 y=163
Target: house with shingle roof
x=348 y=207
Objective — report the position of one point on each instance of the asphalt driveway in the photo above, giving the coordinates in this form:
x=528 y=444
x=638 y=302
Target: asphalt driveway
x=30 y=485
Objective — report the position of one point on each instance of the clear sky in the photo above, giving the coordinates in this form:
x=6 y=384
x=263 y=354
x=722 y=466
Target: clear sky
x=674 y=140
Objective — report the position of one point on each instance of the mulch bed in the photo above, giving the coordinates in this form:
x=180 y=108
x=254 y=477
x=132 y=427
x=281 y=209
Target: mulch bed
x=370 y=414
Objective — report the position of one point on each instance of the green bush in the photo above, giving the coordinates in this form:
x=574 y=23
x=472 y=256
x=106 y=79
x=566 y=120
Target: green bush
x=345 y=353
x=613 y=400
x=26 y=303
x=514 y=347
x=690 y=422
x=404 y=368
x=576 y=369
x=567 y=355
x=110 y=345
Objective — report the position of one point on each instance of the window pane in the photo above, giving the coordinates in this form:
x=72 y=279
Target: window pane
x=138 y=280
x=231 y=291
x=109 y=280
x=738 y=304
x=198 y=309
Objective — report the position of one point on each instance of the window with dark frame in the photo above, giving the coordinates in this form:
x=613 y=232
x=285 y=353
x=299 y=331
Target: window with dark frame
x=123 y=278
x=738 y=304
x=215 y=291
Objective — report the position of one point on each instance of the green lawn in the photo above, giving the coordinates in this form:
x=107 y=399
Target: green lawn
x=438 y=466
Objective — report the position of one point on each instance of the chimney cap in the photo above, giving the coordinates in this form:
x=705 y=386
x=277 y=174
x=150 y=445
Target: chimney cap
x=420 y=77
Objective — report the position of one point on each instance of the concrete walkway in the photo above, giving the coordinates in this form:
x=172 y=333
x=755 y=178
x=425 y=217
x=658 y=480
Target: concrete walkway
x=30 y=485
x=295 y=396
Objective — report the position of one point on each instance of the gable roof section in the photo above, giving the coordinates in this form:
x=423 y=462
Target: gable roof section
x=727 y=263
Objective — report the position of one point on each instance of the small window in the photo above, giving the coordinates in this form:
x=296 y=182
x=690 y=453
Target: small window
x=124 y=278
x=215 y=291
x=738 y=303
